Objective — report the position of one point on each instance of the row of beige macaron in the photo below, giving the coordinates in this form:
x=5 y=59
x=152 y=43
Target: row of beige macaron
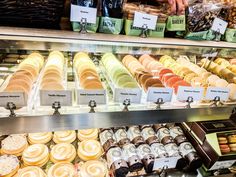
x=62 y=153
x=50 y=74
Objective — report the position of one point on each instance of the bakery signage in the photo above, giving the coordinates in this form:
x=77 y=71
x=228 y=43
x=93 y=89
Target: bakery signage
x=48 y=97
x=192 y=93
x=85 y=96
x=220 y=92
x=155 y=93
x=134 y=95
x=222 y=164
x=143 y=20
x=18 y=98
x=80 y=13
x=169 y=162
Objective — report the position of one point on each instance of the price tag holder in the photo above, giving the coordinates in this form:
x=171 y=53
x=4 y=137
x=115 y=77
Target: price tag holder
x=134 y=95
x=18 y=98
x=222 y=164
x=154 y=93
x=210 y=55
x=85 y=96
x=79 y=12
x=221 y=92
x=142 y=20
x=219 y=26
x=196 y=93
x=48 y=97
x=169 y=162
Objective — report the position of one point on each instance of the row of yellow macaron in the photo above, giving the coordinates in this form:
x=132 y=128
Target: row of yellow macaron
x=38 y=155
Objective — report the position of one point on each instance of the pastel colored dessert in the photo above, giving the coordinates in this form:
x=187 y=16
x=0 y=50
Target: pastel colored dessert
x=39 y=138
x=170 y=82
x=88 y=134
x=86 y=72
x=62 y=169
x=221 y=83
x=164 y=71
x=224 y=148
x=222 y=140
x=52 y=77
x=118 y=73
x=31 y=171
x=36 y=155
x=93 y=168
x=14 y=144
x=232 y=147
x=64 y=136
x=26 y=74
x=232 y=91
x=89 y=150
x=167 y=76
x=62 y=152
x=9 y=165
x=152 y=81
x=232 y=139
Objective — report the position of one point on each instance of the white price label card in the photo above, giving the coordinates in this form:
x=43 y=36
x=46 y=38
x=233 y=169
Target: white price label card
x=210 y=55
x=196 y=93
x=48 y=97
x=133 y=94
x=219 y=25
x=221 y=92
x=143 y=20
x=85 y=96
x=18 y=98
x=79 y=12
x=169 y=162
x=222 y=164
x=154 y=93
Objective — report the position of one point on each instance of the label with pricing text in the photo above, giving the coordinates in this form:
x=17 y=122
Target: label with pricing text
x=221 y=92
x=219 y=25
x=86 y=13
x=85 y=96
x=169 y=162
x=185 y=93
x=48 y=97
x=143 y=20
x=222 y=164
x=18 y=98
x=154 y=93
x=134 y=95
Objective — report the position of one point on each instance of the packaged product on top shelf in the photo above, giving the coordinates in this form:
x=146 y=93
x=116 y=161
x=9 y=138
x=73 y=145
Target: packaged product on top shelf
x=230 y=35
x=112 y=16
x=200 y=20
x=88 y=83
x=91 y=28
x=130 y=9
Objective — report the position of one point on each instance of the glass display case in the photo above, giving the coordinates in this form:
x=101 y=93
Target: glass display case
x=183 y=91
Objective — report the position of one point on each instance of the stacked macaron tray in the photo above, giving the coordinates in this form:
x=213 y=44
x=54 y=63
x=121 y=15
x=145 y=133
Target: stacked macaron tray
x=227 y=143
x=24 y=79
x=87 y=80
x=120 y=80
x=53 y=75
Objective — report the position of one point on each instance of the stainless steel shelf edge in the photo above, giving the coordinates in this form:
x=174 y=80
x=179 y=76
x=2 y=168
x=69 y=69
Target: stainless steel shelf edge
x=109 y=119
x=36 y=35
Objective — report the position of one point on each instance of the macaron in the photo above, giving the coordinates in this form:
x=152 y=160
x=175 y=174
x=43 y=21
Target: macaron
x=222 y=140
x=170 y=82
x=164 y=71
x=233 y=147
x=232 y=139
x=224 y=149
